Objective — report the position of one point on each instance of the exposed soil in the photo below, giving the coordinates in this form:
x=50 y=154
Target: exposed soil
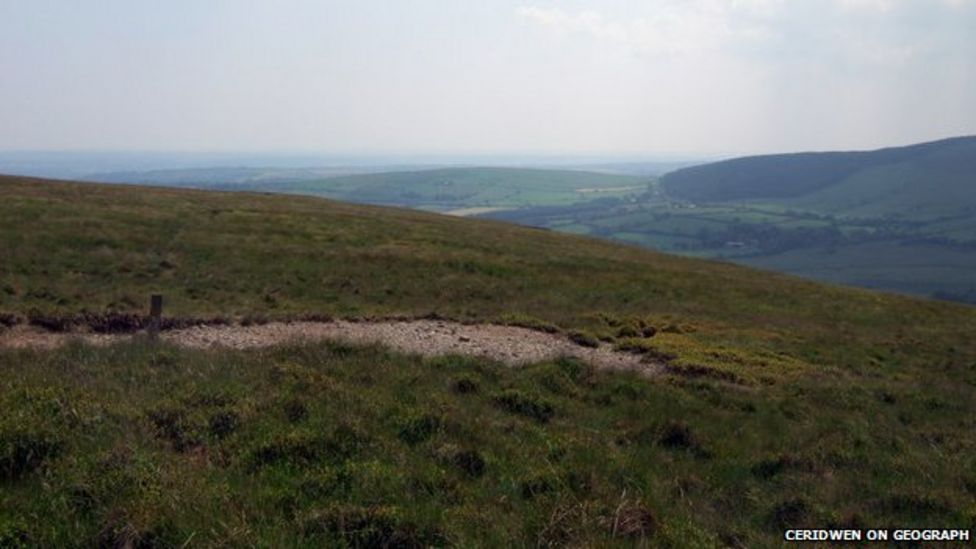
x=509 y=344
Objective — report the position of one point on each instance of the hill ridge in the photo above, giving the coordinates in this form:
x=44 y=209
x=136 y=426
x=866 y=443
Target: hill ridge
x=791 y=175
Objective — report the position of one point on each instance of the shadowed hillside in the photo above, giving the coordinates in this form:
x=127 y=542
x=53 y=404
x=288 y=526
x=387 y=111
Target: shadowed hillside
x=928 y=178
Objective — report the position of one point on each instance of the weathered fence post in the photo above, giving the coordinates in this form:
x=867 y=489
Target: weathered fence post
x=155 y=315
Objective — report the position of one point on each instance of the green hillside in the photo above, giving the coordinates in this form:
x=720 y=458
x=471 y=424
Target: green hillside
x=924 y=180
x=784 y=402
x=900 y=219
x=458 y=188
x=217 y=176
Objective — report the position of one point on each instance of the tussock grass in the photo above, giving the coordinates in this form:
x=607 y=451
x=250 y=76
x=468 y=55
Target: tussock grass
x=782 y=403
x=216 y=257
x=139 y=444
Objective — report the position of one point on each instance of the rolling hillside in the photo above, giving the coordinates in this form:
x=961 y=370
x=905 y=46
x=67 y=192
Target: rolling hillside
x=783 y=403
x=900 y=219
x=449 y=189
x=238 y=253
x=215 y=177
x=918 y=181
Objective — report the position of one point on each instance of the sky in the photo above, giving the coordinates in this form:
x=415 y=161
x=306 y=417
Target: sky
x=651 y=77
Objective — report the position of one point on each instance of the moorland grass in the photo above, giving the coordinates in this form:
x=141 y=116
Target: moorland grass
x=783 y=402
x=72 y=248
x=155 y=444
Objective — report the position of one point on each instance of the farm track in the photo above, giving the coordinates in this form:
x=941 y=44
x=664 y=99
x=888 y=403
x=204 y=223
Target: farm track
x=508 y=344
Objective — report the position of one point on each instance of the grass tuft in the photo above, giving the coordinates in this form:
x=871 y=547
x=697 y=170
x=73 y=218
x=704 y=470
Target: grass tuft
x=526 y=405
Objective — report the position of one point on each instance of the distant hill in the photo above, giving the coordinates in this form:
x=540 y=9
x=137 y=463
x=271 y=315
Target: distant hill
x=228 y=175
x=463 y=189
x=901 y=218
x=455 y=188
x=923 y=180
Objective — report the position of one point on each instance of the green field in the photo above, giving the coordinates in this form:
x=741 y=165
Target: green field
x=449 y=189
x=785 y=402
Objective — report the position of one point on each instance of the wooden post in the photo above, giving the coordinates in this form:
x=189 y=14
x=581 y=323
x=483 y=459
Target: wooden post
x=155 y=315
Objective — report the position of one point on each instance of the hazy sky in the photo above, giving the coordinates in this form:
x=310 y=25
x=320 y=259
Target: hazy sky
x=492 y=76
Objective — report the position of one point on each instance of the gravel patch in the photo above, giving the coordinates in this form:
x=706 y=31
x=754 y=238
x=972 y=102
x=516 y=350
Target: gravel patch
x=508 y=344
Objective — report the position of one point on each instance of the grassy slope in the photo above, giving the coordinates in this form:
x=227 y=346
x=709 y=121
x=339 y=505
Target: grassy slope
x=450 y=188
x=937 y=185
x=791 y=402
x=73 y=247
x=919 y=181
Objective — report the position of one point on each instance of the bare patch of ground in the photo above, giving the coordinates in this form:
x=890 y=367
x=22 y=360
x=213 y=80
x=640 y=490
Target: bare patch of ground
x=509 y=344
x=477 y=210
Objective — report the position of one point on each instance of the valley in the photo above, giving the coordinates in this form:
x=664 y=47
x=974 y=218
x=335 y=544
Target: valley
x=901 y=219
